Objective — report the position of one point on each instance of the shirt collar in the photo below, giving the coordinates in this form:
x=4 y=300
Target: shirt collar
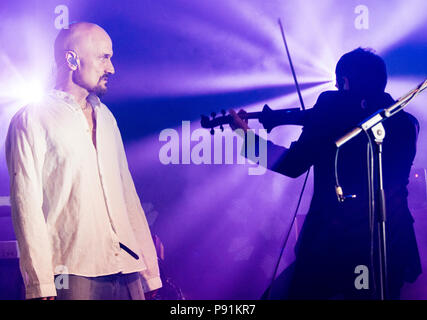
x=94 y=100
x=71 y=101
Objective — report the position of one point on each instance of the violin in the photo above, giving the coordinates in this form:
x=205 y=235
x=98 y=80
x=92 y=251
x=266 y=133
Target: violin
x=268 y=117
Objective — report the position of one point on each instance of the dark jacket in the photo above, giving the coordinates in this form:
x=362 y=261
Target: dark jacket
x=336 y=236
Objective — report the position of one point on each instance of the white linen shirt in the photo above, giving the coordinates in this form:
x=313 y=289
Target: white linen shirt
x=73 y=204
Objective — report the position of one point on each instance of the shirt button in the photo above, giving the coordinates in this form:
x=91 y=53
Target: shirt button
x=116 y=254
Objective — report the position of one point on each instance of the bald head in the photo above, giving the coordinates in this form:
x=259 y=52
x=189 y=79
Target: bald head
x=84 y=51
x=82 y=38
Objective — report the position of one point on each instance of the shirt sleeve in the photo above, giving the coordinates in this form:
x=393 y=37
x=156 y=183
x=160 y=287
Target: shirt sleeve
x=151 y=276
x=25 y=148
x=251 y=149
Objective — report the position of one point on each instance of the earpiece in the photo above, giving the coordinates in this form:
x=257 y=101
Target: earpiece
x=72 y=58
x=72 y=61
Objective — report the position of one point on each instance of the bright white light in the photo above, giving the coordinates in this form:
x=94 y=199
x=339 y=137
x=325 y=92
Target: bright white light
x=19 y=87
x=32 y=92
x=23 y=93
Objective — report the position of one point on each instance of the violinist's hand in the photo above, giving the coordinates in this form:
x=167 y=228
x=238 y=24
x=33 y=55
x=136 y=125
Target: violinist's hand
x=238 y=122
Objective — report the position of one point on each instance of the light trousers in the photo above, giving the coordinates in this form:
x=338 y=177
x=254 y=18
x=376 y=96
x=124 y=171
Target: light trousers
x=111 y=287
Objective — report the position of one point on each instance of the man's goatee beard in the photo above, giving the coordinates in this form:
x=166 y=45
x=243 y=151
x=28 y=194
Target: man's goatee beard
x=99 y=91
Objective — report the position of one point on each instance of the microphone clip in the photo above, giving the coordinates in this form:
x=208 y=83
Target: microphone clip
x=340 y=194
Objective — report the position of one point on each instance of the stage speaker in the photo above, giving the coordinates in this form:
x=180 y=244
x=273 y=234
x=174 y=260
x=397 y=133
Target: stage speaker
x=11 y=284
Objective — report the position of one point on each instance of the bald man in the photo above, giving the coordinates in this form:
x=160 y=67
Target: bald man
x=81 y=230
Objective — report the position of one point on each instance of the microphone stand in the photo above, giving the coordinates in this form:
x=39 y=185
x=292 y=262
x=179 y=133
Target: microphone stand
x=374 y=124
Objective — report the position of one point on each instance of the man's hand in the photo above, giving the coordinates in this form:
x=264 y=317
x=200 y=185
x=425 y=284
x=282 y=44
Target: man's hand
x=152 y=295
x=238 y=122
x=45 y=298
x=160 y=249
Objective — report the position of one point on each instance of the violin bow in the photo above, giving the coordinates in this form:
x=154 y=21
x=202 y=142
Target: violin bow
x=308 y=172
x=292 y=65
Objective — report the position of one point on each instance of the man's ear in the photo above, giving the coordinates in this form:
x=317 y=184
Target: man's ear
x=346 y=83
x=343 y=83
x=72 y=60
x=339 y=83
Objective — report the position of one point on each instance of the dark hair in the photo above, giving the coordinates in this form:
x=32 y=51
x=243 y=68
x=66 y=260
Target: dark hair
x=366 y=71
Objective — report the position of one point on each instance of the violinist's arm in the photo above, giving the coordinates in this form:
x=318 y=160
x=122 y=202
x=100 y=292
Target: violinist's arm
x=291 y=162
